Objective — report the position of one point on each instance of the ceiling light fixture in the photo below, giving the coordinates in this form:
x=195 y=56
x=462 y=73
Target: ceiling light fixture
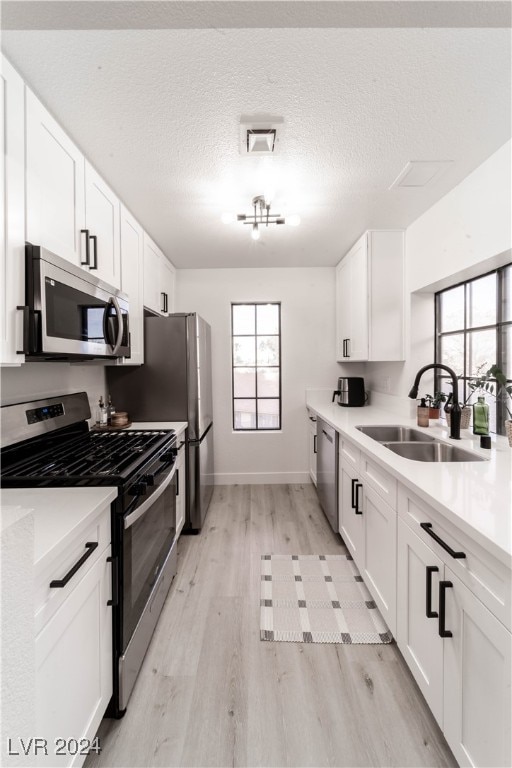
x=261 y=217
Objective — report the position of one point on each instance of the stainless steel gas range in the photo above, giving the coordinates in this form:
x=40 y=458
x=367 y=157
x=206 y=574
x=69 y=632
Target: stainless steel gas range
x=48 y=443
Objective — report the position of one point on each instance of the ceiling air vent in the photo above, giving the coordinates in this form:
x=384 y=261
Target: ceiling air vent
x=260 y=135
x=419 y=173
x=260 y=140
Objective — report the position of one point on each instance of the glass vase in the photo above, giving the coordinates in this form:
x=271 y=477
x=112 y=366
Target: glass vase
x=480 y=417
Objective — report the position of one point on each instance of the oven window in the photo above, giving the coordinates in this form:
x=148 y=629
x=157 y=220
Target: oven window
x=146 y=546
x=71 y=314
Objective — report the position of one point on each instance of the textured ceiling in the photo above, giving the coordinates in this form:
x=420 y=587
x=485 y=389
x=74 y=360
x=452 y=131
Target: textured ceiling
x=157 y=111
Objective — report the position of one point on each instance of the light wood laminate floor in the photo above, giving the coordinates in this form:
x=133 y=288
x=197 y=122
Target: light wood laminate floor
x=210 y=693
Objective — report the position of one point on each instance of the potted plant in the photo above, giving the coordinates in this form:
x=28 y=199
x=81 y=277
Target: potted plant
x=434 y=403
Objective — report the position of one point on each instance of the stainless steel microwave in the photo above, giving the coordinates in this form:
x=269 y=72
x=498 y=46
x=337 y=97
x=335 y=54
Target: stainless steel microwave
x=70 y=313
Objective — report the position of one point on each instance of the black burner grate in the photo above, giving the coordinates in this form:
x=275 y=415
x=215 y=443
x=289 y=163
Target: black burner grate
x=88 y=456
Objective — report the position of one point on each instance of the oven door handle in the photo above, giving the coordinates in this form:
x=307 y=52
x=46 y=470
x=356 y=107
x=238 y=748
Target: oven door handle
x=132 y=518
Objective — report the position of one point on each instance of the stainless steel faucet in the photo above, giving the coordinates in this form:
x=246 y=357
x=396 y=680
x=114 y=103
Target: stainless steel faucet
x=455 y=413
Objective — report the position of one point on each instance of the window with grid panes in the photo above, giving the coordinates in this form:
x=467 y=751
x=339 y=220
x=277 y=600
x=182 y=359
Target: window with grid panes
x=474 y=331
x=256 y=366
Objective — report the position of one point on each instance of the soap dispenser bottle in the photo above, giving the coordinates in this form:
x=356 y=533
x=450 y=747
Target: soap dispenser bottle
x=423 y=413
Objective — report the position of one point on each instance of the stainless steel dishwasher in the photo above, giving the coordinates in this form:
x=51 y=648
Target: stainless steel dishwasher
x=327 y=471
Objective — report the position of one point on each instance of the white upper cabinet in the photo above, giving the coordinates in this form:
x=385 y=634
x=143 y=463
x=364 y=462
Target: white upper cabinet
x=168 y=278
x=12 y=214
x=132 y=282
x=102 y=224
x=55 y=188
x=370 y=299
x=352 y=304
x=159 y=279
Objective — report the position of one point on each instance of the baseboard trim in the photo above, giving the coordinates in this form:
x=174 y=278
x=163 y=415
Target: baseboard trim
x=261 y=478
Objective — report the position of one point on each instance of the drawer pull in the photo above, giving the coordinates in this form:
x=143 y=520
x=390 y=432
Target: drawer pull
x=430 y=569
x=443 y=586
x=58 y=583
x=314 y=444
x=427 y=527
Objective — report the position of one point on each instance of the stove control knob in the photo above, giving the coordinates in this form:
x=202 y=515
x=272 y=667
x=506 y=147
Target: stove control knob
x=169 y=455
x=149 y=479
x=138 y=489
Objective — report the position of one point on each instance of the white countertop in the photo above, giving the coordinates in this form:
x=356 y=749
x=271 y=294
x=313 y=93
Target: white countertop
x=59 y=513
x=475 y=496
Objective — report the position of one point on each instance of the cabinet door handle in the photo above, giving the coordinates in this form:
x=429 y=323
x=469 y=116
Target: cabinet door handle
x=87 y=262
x=430 y=614
x=357 y=510
x=26 y=333
x=311 y=418
x=348 y=348
x=427 y=527
x=115 y=581
x=345 y=348
x=177 y=482
x=314 y=444
x=95 y=251
x=163 y=302
x=352 y=502
x=443 y=586
x=58 y=583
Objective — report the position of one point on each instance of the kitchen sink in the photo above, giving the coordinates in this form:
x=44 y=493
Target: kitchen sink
x=432 y=451
x=393 y=433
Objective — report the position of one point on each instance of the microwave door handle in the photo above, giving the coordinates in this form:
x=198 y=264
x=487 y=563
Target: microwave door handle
x=120 y=323
x=106 y=335
x=132 y=518
x=115 y=345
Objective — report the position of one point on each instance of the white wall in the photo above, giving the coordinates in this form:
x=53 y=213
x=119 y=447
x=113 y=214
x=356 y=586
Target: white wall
x=468 y=232
x=36 y=380
x=308 y=361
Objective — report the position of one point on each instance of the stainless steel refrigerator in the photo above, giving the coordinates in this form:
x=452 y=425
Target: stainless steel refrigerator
x=175 y=384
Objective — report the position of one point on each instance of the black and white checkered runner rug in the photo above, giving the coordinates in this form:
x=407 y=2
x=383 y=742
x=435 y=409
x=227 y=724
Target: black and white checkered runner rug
x=317 y=599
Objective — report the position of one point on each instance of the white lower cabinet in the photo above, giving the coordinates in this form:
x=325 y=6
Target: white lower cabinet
x=378 y=566
x=73 y=652
x=312 y=446
x=446 y=600
x=181 y=499
x=477 y=680
x=418 y=567
x=368 y=528
x=458 y=652
x=350 y=512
